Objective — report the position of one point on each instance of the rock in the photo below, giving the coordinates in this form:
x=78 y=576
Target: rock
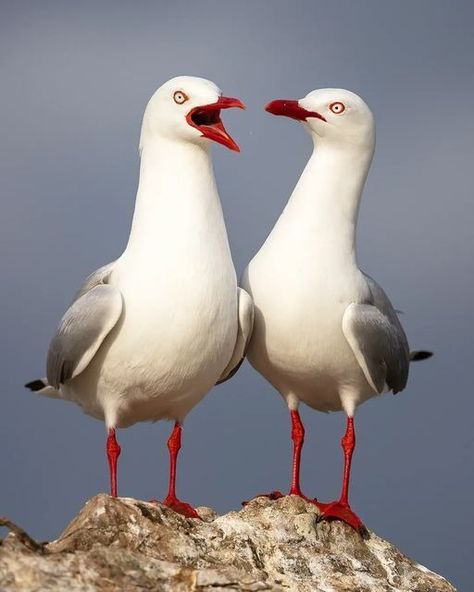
x=128 y=545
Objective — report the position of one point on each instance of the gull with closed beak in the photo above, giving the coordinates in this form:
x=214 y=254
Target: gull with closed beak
x=325 y=332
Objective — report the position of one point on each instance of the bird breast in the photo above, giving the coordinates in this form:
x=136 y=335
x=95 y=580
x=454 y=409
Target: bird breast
x=298 y=338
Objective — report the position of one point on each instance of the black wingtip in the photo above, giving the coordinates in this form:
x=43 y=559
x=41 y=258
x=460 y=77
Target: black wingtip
x=231 y=373
x=417 y=356
x=35 y=385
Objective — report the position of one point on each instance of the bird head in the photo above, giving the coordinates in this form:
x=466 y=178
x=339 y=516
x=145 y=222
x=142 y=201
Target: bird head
x=331 y=115
x=188 y=108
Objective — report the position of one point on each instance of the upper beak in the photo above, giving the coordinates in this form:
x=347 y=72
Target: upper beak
x=290 y=108
x=229 y=102
x=206 y=119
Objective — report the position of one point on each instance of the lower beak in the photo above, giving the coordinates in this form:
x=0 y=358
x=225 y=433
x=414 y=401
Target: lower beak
x=293 y=109
x=207 y=120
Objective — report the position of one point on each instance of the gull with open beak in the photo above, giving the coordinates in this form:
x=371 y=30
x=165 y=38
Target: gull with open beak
x=325 y=333
x=148 y=335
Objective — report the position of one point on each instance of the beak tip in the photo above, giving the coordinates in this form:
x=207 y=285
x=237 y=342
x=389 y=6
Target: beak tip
x=274 y=107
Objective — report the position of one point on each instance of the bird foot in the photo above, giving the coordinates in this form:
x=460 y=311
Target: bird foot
x=274 y=495
x=181 y=507
x=340 y=511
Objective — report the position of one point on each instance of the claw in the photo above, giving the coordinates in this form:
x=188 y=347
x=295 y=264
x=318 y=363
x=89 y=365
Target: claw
x=178 y=506
x=340 y=511
x=181 y=508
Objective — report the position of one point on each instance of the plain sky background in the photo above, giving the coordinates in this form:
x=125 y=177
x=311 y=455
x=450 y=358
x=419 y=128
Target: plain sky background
x=74 y=80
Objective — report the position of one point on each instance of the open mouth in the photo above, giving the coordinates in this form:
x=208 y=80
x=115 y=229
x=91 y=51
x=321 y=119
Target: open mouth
x=207 y=119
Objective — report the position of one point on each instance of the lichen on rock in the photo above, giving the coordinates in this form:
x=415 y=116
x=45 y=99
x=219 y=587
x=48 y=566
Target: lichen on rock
x=126 y=545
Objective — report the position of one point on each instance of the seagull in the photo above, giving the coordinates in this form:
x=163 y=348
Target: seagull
x=148 y=335
x=325 y=332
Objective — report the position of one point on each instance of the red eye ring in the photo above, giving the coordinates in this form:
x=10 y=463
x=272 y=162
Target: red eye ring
x=337 y=107
x=180 y=97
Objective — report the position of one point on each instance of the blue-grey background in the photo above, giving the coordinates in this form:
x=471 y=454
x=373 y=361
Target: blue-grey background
x=74 y=80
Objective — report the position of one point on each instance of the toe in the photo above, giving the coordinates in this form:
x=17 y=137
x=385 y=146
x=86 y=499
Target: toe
x=181 y=508
x=343 y=512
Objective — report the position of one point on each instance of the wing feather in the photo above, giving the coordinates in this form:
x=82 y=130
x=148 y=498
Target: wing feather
x=246 y=319
x=378 y=340
x=81 y=332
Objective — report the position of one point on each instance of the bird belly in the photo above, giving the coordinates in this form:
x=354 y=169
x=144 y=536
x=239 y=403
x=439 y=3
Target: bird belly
x=298 y=346
x=161 y=359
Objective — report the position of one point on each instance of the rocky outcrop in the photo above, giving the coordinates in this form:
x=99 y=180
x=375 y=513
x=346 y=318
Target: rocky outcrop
x=128 y=545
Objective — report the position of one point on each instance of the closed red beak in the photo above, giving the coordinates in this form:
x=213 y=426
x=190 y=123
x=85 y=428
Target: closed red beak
x=290 y=108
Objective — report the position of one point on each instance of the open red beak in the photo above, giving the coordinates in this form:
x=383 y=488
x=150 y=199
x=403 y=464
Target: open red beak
x=292 y=109
x=207 y=120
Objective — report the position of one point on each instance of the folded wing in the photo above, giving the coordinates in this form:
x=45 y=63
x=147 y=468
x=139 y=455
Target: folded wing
x=246 y=318
x=378 y=341
x=83 y=328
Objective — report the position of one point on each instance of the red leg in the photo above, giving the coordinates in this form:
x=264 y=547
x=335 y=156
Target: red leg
x=340 y=510
x=297 y=435
x=113 y=452
x=174 y=445
x=348 y=443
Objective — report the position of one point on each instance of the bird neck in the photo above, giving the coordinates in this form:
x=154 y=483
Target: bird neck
x=324 y=205
x=177 y=203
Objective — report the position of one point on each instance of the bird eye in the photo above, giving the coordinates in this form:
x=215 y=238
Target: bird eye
x=337 y=107
x=180 y=97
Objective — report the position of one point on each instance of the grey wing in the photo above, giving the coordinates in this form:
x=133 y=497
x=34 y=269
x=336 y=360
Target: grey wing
x=94 y=312
x=246 y=318
x=378 y=340
x=97 y=277
x=381 y=301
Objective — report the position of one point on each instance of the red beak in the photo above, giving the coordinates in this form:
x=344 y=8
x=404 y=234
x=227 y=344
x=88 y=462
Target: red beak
x=207 y=120
x=291 y=109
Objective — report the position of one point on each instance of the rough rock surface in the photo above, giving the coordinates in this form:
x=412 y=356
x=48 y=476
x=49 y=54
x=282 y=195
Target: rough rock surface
x=128 y=545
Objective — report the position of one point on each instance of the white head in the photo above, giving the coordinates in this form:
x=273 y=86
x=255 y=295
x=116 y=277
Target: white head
x=188 y=108
x=331 y=115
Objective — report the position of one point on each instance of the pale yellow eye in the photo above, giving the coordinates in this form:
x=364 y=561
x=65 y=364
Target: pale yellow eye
x=337 y=107
x=180 y=97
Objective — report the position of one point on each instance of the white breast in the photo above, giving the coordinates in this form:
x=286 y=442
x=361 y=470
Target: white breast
x=301 y=281
x=178 y=283
x=298 y=344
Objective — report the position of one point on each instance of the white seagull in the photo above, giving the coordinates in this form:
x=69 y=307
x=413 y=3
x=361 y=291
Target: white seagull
x=148 y=335
x=325 y=333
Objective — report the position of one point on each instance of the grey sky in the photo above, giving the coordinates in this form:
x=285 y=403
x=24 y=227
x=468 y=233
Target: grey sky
x=75 y=78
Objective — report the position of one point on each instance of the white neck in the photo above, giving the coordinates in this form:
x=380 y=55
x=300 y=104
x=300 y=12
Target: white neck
x=325 y=203
x=177 y=206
